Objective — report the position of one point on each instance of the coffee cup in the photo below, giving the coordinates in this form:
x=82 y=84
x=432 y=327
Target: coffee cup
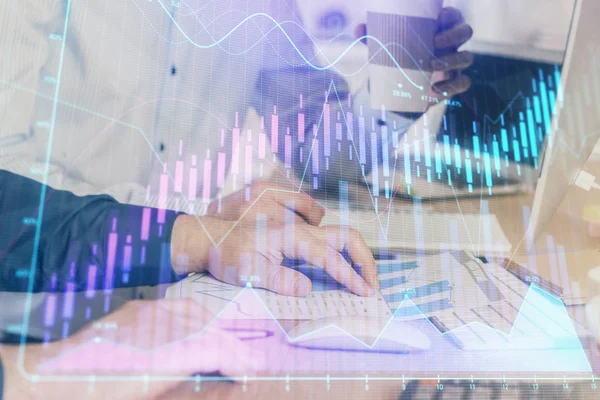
x=401 y=45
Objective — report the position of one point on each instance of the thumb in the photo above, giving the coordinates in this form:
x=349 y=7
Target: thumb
x=360 y=32
x=286 y=281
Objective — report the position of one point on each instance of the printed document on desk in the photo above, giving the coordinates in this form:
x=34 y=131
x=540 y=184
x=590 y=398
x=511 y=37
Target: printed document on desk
x=451 y=286
x=326 y=300
x=476 y=305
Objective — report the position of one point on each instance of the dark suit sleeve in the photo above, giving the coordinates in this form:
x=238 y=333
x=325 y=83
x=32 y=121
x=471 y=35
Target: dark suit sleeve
x=70 y=243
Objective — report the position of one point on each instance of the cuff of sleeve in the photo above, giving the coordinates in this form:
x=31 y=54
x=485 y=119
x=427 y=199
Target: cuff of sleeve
x=148 y=233
x=409 y=115
x=159 y=248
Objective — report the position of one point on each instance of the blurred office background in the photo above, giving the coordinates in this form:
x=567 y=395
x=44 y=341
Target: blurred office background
x=515 y=41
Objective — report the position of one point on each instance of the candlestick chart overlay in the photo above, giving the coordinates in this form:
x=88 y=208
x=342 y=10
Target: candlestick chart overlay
x=207 y=98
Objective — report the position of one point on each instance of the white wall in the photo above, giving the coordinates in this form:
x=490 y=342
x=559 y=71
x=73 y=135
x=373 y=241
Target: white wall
x=537 y=23
x=541 y=24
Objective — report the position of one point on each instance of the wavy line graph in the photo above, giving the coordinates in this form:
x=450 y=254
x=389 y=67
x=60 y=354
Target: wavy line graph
x=383 y=225
x=280 y=26
x=264 y=35
x=314 y=43
x=292 y=43
x=297 y=24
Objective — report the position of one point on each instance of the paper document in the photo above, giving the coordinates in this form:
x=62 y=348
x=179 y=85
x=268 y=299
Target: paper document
x=448 y=285
x=250 y=303
x=477 y=306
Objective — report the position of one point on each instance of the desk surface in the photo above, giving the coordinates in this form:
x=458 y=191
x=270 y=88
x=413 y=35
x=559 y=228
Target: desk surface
x=566 y=229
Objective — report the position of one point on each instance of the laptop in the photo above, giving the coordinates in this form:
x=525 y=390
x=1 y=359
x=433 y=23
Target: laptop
x=576 y=123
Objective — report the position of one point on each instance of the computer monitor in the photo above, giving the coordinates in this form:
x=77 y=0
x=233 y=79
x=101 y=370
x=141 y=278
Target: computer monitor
x=575 y=128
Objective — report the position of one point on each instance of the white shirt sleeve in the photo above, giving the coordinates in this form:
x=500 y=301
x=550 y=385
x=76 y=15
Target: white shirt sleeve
x=28 y=30
x=30 y=43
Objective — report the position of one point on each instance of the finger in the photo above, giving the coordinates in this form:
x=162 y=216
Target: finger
x=362 y=255
x=450 y=88
x=449 y=16
x=302 y=204
x=273 y=211
x=342 y=271
x=324 y=252
x=229 y=206
x=453 y=37
x=286 y=281
x=454 y=62
x=284 y=216
x=360 y=32
x=212 y=208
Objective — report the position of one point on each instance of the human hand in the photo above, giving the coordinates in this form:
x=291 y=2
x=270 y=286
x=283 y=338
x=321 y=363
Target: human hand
x=192 y=239
x=139 y=341
x=271 y=200
x=239 y=253
x=255 y=254
x=448 y=63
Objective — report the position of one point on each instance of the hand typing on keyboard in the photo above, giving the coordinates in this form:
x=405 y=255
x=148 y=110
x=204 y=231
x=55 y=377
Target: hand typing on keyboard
x=245 y=238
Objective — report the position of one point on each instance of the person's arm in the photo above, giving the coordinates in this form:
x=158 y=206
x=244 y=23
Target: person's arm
x=84 y=243
x=18 y=386
x=216 y=350
x=25 y=28
x=93 y=243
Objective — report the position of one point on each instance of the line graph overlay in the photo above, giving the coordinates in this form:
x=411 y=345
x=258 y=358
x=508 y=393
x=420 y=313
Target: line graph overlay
x=552 y=308
x=44 y=188
x=292 y=43
x=384 y=226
